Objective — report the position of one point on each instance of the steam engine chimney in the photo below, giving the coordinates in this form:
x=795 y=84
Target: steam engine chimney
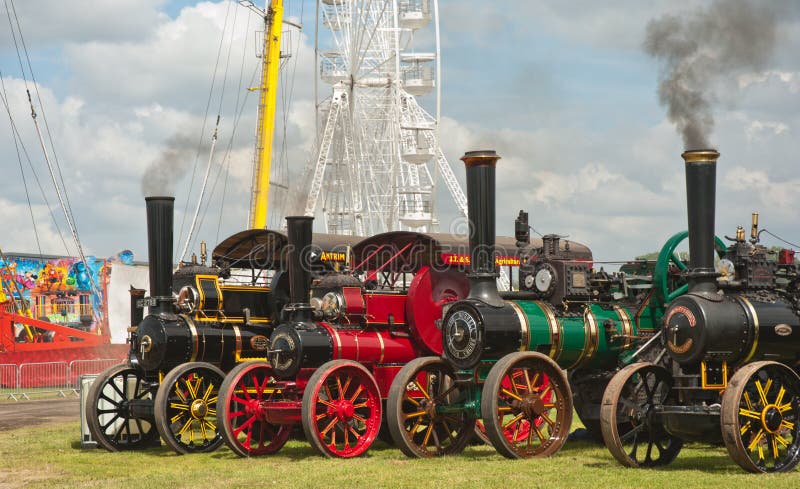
x=159 y=251
x=701 y=174
x=481 y=207
x=299 y=231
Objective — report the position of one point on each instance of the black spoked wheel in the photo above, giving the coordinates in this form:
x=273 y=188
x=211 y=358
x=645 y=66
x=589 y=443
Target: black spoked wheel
x=632 y=430
x=108 y=413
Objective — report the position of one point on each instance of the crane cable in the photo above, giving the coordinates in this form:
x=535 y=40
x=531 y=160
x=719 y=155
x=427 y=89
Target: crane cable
x=63 y=200
x=203 y=128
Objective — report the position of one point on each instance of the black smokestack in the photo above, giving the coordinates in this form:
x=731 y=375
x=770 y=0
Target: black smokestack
x=159 y=251
x=701 y=176
x=299 y=229
x=481 y=207
x=698 y=50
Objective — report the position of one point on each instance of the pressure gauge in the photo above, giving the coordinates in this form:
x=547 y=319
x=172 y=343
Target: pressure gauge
x=544 y=279
x=331 y=306
x=529 y=281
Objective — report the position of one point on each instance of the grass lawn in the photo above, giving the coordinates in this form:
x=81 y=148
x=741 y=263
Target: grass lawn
x=49 y=456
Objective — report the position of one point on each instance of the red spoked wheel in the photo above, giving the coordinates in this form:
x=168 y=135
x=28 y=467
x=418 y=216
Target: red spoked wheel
x=420 y=410
x=526 y=406
x=186 y=408
x=244 y=397
x=341 y=409
x=514 y=433
x=108 y=410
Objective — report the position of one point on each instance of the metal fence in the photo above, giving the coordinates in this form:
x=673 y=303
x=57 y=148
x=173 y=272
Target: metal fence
x=60 y=378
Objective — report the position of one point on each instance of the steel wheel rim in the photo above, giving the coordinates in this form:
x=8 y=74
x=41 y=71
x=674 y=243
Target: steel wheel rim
x=422 y=425
x=241 y=406
x=343 y=412
x=629 y=420
x=186 y=408
x=760 y=418
x=114 y=428
x=527 y=406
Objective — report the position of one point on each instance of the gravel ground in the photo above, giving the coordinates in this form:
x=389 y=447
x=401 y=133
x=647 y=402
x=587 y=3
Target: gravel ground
x=30 y=413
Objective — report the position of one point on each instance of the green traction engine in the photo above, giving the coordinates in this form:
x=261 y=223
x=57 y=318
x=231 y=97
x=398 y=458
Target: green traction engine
x=502 y=373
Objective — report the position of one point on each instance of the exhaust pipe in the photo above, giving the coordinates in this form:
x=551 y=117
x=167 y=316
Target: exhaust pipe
x=483 y=274
x=701 y=176
x=299 y=229
x=159 y=252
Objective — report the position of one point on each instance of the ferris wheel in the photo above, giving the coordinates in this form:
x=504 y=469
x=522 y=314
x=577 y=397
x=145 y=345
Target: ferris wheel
x=377 y=161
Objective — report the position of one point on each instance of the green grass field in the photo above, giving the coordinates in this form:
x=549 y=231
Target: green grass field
x=49 y=456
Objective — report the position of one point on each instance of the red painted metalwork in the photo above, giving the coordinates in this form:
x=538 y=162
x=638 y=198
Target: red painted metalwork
x=429 y=291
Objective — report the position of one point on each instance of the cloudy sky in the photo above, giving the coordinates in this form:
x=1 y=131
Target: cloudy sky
x=564 y=91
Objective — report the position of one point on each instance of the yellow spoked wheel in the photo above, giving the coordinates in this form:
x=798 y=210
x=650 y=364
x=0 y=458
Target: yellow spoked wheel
x=186 y=408
x=760 y=417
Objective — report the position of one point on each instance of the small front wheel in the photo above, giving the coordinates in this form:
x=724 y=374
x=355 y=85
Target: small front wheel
x=186 y=408
x=420 y=410
x=341 y=409
x=632 y=429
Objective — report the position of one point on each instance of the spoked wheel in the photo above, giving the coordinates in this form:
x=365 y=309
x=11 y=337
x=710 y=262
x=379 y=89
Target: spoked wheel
x=341 y=409
x=244 y=396
x=417 y=410
x=108 y=413
x=760 y=417
x=186 y=408
x=526 y=406
x=632 y=431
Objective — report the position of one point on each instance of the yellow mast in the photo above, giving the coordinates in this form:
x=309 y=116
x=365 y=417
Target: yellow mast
x=270 y=64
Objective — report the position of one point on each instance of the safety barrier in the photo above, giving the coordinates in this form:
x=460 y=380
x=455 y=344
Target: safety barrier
x=53 y=378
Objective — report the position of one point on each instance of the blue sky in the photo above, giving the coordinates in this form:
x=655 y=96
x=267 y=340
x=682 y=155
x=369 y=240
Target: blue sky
x=562 y=90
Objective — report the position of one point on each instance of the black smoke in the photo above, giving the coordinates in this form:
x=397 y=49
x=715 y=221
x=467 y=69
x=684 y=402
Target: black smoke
x=170 y=167
x=697 y=49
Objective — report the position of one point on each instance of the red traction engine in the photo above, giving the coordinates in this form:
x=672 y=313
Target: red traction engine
x=340 y=345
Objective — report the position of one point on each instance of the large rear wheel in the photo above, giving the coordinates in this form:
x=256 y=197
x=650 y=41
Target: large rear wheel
x=760 y=417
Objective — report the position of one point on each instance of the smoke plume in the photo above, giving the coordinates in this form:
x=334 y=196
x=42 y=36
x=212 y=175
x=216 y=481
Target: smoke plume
x=170 y=167
x=697 y=49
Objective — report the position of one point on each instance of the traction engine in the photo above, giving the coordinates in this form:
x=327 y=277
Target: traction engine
x=730 y=349
x=504 y=355
x=331 y=359
x=180 y=350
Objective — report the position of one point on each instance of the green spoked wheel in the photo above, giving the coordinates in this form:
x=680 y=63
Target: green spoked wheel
x=632 y=429
x=526 y=406
x=669 y=286
x=417 y=410
x=108 y=410
x=186 y=408
x=759 y=418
